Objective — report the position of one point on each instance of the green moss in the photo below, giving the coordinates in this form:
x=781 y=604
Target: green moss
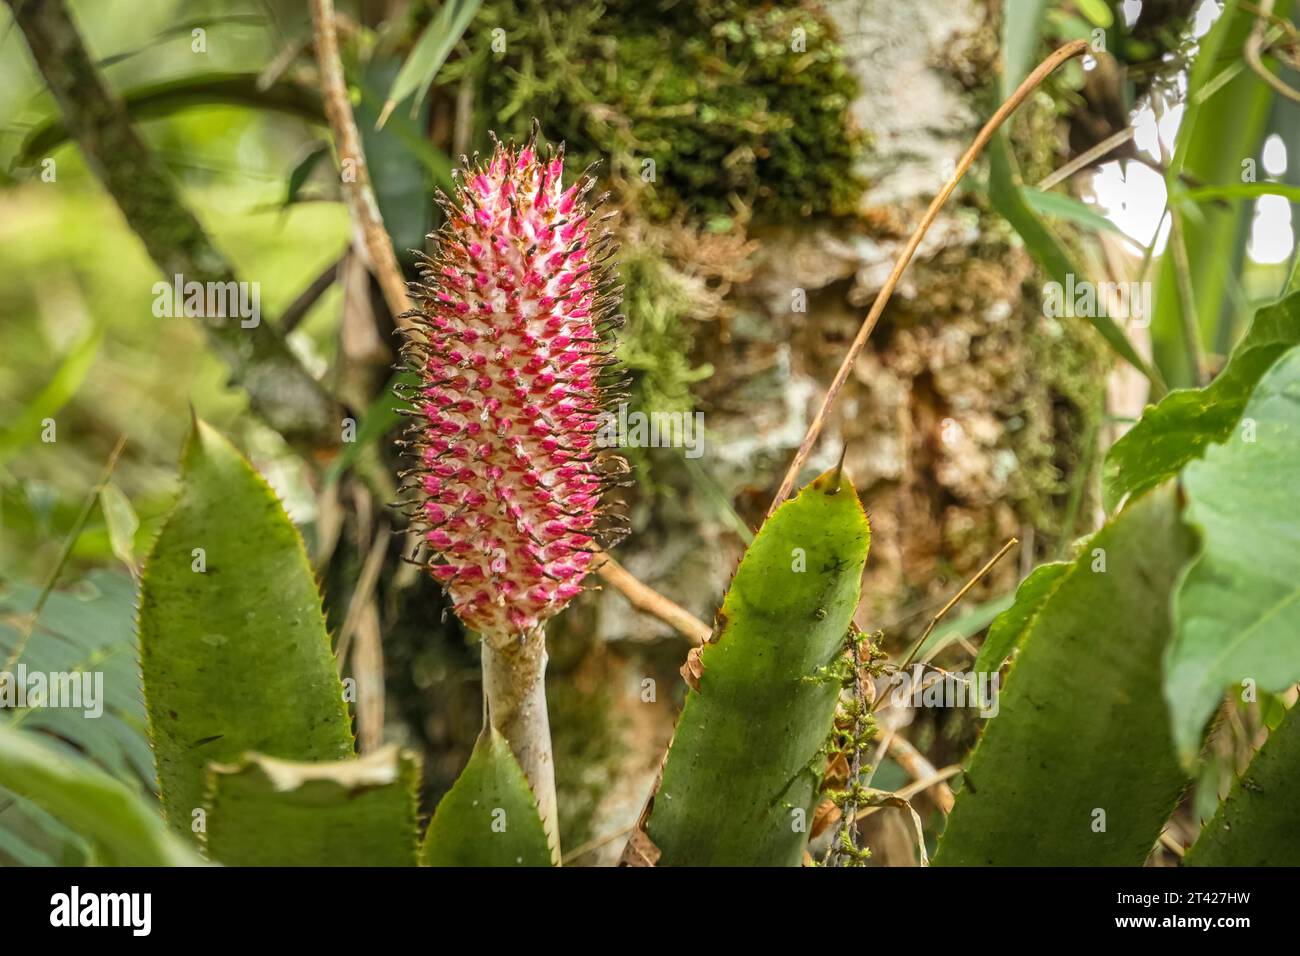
x=657 y=337
x=731 y=102
x=655 y=346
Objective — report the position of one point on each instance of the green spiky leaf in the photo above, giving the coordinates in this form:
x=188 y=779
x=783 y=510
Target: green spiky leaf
x=745 y=767
x=233 y=647
x=122 y=523
x=1257 y=825
x=1081 y=728
x=361 y=812
x=489 y=817
x=431 y=51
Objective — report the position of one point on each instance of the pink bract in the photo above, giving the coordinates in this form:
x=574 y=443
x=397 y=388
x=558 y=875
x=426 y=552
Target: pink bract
x=510 y=353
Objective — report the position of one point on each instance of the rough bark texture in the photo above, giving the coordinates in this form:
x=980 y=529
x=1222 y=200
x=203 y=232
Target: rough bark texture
x=279 y=389
x=966 y=409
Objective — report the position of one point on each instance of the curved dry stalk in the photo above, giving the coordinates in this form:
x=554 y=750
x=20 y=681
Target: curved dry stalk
x=363 y=208
x=646 y=599
x=1031 y=82
x=1253 y=52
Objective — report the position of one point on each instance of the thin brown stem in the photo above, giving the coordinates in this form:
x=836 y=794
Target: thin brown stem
x=360 y=197
x=1086 y=158
x=65 y=553
x=1031 y=82
x=952 y=602
x=647 y=599
x=919 y=786
x=1254 y=48
x=922 y=772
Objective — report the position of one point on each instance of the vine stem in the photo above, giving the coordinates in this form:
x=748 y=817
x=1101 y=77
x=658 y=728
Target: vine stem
x=844 y=841
x=1031 y=82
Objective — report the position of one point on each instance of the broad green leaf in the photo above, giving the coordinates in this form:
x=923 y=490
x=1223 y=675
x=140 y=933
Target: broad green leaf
x=412 y=137
x=121 y=521
x=1272 y=709
x=1010 y=627
x=743 y=774
x=233 y=646
x=1188 y=420
x=403 y=185
x=1238 y=607
x=489 y=817
x=122 y=828
x=1022 y=36
x=1081 y=727
x=24 y=427
x=1258 y=825
x=1241 y=191
x=359 y=812
x=301 y=172
x=430 y=53
x=1226 y=103
x=1096 y=11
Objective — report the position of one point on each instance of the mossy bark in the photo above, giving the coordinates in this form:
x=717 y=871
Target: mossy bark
x=968 y=417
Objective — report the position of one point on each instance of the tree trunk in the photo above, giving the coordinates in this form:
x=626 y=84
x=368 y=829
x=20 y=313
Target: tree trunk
x=967 y=415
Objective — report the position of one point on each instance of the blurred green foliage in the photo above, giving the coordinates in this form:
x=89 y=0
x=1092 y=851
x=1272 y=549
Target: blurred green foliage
x=81 y=342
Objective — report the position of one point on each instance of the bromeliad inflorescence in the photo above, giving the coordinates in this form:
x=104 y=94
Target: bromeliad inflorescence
x=512 y=354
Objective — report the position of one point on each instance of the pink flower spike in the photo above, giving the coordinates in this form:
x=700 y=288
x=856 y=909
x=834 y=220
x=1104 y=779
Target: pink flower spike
x=516 y=300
